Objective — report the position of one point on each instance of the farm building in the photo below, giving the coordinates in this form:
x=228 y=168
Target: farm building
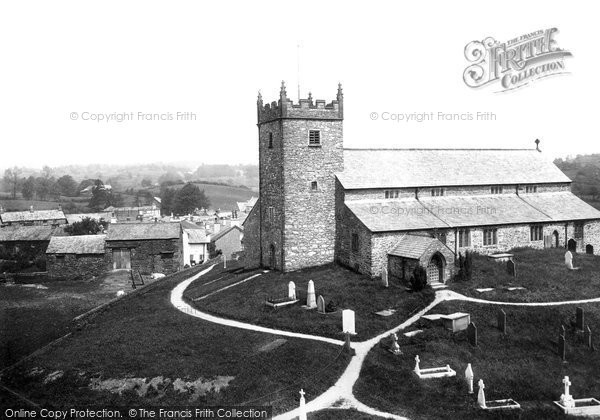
x=228 y=241
x=32 y=217
x=26 y=243
x=365 y=208
x=76 y=257
x=147 y=247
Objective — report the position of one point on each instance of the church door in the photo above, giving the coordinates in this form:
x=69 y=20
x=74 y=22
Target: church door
x=435 y=270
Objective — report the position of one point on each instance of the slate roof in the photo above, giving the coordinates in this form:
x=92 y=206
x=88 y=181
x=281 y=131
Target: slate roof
x=78 y=217
x=465 y=211
x=30 y=216
x=412 y=246
x=142 y=231
x=197 y=236
x=406 y=168
x=26 y=233
x=84 y=244
x=224 y=232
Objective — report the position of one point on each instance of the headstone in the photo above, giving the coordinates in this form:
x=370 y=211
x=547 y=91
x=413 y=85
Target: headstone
x=579 y=319
x=472 y=334
x=481 y=394
x=348 y=321
x=302 y=414
x=566 y=399
x=311 y=300
x=292 y=290
x=321 y=304
x=417 y=367
x=469 y=377
x=587 y=337
x=562 y=347
x=569 y=259
x=394 y=347
x=384 y=278
x=502 y=321
x=511 y=268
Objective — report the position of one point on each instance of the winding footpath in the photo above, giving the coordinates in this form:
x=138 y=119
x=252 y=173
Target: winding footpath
x=340 y=395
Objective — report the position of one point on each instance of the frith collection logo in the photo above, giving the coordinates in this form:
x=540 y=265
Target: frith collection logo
x=515 y=63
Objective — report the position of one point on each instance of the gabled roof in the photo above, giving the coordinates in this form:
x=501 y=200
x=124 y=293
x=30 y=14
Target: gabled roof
x=412 y=246
x=143 y=231
x=411 y=168
x=197 y=236
x=186 y=224
x=224 y=232
x=30 y=216
x=466 y=211
x=84 y=244
x=26 y=233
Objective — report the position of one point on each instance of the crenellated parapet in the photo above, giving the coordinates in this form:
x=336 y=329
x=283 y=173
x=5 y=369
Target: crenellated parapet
x=305 y=108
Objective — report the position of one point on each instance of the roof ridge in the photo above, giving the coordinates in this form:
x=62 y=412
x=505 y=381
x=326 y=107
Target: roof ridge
x=438 y=149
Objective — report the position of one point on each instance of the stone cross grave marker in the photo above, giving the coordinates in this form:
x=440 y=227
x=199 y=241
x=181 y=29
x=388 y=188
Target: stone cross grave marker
x=511 y=269
x=292 y=290
x=320 y=304
x=587 y=337
x=348 y=321
x=469 y=377
x=579 y=319
x=417 y=367
x=567 y=399
x=302 y=408
x=311 y=301
x=481 y=394
x=562 y=347
x=472 y=334
x=502 y=321
x=384 y=278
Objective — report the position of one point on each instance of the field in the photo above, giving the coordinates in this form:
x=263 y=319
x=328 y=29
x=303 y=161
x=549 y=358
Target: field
x=222 y=197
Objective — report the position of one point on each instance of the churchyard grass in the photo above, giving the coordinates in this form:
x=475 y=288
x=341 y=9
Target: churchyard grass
x=144 y=336
x=522 y=365
x=542 y=272
x=349 y=290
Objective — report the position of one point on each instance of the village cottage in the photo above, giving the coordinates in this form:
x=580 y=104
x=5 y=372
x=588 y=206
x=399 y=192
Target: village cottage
x=76 y=257
x=378 y=209
x=195 y=243
x=32 y=217
x=147 y=247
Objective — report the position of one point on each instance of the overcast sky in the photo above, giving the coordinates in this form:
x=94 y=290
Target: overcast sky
x=66 y=61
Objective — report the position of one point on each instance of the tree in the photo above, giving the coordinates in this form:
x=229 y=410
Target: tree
x=67 y=186
x=146 y=182
x=167 y=200
x=43 y=187
x=86 y=226
x=11 y=179
x=101 y=198
x=189 y=198
x=28 y=188
x=418 y=280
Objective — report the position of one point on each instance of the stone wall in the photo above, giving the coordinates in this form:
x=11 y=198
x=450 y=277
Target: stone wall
x=591 y=236
x=75 y=267
x=152 y=255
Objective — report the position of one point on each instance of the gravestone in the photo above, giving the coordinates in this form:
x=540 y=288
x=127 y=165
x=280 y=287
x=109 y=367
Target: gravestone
x=311 y=301
x=469 y=377
x=417 y=367
x=472 y=334
x=481 y=394
x=569 y=259
x=566 y=398
x=394 y=347
x=511 y=268
x=579 y=319
x=562 y=347
x=587 y=337
x=302 y=408
x=502 y=321
x=348 y=321
x=384 y=278
x=292 y=290
x=321 y=304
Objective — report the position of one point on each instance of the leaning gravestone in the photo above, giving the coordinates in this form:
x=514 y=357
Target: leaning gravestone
x=562 y=347
x=472 y=334
x=511 y=269
x=384 y=278
x=321 y=304
x=587 y=337
x=311 y=301
x=502 y=321
x=292 y=290
x=579 y=319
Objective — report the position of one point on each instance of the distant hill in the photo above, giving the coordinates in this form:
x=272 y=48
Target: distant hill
x=223 y=197
x=584 y=171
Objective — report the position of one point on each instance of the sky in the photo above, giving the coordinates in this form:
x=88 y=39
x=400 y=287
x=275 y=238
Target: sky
x=67 y=64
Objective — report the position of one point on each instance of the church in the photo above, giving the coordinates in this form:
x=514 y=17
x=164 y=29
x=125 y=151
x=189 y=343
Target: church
x=390 y=209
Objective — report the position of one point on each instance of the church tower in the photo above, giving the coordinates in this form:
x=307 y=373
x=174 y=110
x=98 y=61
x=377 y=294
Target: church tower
x=300 y=150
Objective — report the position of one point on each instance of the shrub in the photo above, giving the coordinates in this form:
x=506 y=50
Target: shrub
x=418 y=280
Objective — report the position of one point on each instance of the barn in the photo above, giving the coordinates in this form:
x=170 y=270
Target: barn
x=145 y=247
x=76 y=257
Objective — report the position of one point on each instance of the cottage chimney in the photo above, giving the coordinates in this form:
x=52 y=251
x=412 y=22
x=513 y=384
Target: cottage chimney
x=537 y=145
x=31 y=209
x=60 y=207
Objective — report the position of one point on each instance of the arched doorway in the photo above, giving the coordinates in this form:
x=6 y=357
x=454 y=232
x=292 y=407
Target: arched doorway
x=272 y=257
x=435 y=269
x=555 y=239
x=589 y=249
x=572 y=245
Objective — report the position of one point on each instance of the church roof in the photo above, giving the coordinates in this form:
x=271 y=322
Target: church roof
x=465 y=211
x=409 y=168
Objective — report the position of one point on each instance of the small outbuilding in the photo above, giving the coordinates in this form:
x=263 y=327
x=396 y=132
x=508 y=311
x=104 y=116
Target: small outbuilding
x=228 y=241
x=76 y=257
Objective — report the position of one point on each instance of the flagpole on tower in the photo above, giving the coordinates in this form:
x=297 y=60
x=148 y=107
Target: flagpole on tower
x=298 y=62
